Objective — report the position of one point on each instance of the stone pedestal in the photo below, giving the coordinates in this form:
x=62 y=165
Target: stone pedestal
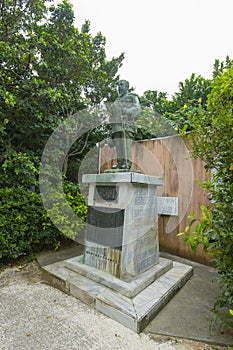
x=122 y=224
x=120 y=272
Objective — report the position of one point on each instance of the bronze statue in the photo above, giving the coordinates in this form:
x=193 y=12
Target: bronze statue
x=125 y=110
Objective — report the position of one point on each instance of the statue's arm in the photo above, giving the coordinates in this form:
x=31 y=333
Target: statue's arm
x=132 y=108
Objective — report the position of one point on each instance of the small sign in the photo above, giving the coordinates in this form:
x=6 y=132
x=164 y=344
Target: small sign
x=167 y=206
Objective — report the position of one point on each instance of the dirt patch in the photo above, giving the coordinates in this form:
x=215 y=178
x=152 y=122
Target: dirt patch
x=23 y=270
x=27 y=272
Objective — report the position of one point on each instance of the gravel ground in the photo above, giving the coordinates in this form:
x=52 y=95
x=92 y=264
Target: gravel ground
x=35 y=316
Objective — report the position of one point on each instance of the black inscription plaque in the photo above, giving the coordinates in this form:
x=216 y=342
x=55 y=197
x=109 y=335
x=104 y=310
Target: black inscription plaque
x=105 y=226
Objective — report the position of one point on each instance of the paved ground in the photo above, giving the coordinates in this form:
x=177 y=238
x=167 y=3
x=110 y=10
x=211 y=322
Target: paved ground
x=34 y=315
x=189 y=314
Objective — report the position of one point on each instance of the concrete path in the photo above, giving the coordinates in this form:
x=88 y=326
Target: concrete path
x=34 y=315
x=189 y=314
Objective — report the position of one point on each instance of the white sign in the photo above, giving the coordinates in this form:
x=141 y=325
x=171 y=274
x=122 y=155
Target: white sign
x=167 y=206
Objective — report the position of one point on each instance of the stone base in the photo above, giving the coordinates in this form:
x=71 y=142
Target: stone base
x=128 y=287
x=104 y=294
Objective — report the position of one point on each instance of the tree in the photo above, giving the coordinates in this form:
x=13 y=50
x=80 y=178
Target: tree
x=192 y=92
x=156 y=100
x=49 y=70
x=192 y=95
x=220 y=66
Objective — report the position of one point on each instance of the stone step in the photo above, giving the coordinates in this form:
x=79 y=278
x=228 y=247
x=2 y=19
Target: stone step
x=133 y=312
x=130 y=287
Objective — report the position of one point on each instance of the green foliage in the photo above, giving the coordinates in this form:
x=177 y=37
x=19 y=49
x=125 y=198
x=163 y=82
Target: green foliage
x=202 y=233
x=21 y=208
x=151 y=124
x=21 y=223
x=59 y=211
x=192 y=97
x=213 y=142
x=189 y=101
x=219 y=67
x=19 y=168
x=152 y=121
x=192 y=92
x=49 y=70
x=156 y=100
x=25 y=225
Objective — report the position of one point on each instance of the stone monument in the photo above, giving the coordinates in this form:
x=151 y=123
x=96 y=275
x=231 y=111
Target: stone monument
x=120 y=272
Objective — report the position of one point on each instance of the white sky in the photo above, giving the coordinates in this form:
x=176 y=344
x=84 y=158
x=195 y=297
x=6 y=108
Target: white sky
x=164 y=41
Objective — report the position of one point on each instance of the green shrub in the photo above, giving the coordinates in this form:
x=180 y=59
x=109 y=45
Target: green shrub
x=59 y=212
x=21 y=223
x=24 y=224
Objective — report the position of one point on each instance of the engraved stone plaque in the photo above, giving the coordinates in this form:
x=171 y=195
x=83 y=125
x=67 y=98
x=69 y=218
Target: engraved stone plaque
x=147 y=251
x=167 y=206
x=141 y=194
x=107 y=193
x=105 y=259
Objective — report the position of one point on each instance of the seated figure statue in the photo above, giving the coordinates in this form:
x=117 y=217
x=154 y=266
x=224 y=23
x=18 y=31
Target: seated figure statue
x=125 y=111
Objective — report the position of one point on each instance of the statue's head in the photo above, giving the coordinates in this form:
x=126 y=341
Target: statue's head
x=123 y=86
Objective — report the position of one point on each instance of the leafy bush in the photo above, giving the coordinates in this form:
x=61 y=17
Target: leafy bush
x=60 y=212
x=21 y=223
x=24 y=223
